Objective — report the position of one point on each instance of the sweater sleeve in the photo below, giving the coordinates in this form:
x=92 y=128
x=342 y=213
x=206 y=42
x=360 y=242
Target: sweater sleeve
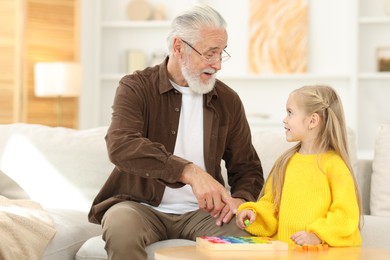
x=266 y=223
x=340 y=226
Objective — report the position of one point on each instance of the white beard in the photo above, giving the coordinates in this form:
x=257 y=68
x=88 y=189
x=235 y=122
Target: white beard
x=193 y=80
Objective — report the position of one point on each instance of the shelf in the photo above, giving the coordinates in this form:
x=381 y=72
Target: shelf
x=136 y=24
x=260 y=120
x=374 y=76
x=277 y=77
x=374 y=20
x=251 y=77
x=257 y=122
x=112 y=77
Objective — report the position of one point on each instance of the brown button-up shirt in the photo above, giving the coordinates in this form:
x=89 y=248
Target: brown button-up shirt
x=142 y=136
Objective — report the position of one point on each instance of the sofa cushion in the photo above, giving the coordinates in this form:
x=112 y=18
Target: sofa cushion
x=375 y=232
x=93 y=249
x=364 y=182
x=57 y=167
x=380 y=192
x=10 y=189
x=269 y=146
x=73 y=229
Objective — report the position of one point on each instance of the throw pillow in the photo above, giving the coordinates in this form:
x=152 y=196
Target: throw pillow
x=56 y=166
x=380 y=192
x=10 y=189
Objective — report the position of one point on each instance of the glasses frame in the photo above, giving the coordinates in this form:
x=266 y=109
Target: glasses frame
x=212 y=60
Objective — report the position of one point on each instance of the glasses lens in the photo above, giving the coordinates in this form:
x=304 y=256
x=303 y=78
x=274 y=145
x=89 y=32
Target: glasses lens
x=225 y=58
x=218 y=58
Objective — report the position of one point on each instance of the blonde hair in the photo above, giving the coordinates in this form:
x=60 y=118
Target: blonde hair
x=324 y=101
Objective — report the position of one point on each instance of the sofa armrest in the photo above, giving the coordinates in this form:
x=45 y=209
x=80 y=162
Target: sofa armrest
x=376 y=232
x=363 y=178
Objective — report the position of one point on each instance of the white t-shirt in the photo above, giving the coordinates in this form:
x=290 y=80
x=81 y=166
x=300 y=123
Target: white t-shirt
x=189 y=145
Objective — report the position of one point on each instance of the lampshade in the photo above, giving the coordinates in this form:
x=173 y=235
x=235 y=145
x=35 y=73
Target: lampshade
x=53 y=79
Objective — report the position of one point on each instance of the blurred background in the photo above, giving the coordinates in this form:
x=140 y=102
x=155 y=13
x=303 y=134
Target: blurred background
x=61 y=60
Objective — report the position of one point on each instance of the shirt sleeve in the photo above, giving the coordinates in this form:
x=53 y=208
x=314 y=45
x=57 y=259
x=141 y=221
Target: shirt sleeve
x=245 y=174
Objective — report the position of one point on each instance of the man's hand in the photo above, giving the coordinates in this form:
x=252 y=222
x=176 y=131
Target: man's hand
x=228 y=212
x=211 y=195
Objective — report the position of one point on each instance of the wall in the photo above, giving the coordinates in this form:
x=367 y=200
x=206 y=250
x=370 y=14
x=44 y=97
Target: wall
x=338 y=54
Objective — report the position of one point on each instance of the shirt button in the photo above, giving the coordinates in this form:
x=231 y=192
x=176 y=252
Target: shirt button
x=177 y=109
x=173 y=132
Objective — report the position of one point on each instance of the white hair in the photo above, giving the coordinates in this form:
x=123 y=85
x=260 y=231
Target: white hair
x=189 y=23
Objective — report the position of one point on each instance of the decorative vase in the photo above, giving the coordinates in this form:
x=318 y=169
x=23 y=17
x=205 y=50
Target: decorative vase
x=383 y=57
x=140 y=10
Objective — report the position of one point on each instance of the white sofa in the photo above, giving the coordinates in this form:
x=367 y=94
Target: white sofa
x=63 y=169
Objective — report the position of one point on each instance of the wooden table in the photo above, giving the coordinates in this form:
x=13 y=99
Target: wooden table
x=345 y=253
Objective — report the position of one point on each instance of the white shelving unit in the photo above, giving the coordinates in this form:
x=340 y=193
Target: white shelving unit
x=343 y=36
x=113 y=36
x=373 y=87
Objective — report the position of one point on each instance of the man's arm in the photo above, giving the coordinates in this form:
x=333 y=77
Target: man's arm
x=211 y=194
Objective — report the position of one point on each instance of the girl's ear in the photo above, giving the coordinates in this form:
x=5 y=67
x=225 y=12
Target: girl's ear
x=314 y=120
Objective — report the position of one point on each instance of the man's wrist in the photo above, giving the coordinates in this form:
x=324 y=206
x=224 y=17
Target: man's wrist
x=188 y=171
x=240 y=199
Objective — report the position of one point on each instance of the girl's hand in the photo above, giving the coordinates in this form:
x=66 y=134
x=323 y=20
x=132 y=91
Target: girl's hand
x=305 y=238
x=244 y=215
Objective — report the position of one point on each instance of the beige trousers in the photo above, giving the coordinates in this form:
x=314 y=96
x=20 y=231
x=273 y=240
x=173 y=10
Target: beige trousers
x=128 y=227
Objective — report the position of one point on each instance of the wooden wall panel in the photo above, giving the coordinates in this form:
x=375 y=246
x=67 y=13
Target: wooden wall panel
x=10 y=61
x=51 y=34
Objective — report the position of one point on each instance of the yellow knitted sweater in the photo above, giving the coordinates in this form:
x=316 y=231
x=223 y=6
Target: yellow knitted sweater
x=322 y=202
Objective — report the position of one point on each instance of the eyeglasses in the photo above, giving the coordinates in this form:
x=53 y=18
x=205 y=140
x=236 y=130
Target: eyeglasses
x=211 y=58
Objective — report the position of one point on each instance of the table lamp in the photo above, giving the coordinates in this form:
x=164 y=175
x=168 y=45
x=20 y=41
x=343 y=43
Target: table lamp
x=57 y=79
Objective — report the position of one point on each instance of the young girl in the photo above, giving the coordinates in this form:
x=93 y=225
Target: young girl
x=311 y=195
